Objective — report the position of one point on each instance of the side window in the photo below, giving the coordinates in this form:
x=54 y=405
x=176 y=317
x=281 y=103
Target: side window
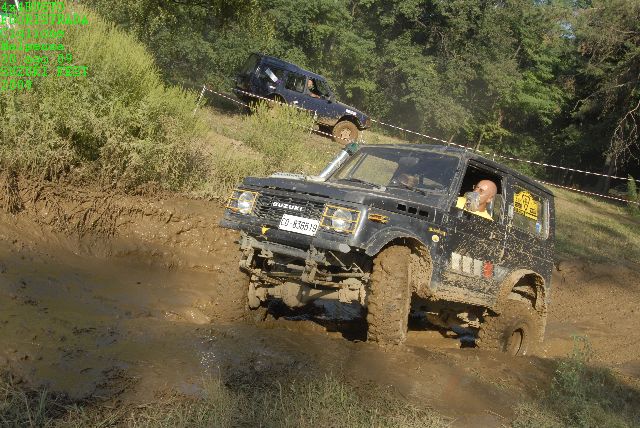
x=318 y=88
x=295 y=82
x=271 y=74
x=249 y=65
x=530 y=212
x=480 y=180
x=323 y=88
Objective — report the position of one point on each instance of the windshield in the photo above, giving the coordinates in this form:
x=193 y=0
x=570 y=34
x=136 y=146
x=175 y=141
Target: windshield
x=399 y=167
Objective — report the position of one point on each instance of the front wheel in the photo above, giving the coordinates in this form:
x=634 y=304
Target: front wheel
x=344 y=132
x=516 y=331
x=389 y=297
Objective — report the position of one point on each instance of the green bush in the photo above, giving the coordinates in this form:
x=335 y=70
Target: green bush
x=279 y=133
x=120 y=124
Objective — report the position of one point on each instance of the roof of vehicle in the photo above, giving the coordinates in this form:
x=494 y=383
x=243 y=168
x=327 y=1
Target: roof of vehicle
x=289 y=66
x=466 y=154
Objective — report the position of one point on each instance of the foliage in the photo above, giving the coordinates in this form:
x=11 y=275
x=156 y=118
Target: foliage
x=550 y=80
x=582 y=395
x=120 y=124
x=278 y=132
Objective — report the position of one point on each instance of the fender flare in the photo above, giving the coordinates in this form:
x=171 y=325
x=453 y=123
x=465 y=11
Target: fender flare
x=512 y=280
x=421 y=263
x=384 y=237
x=351 y=118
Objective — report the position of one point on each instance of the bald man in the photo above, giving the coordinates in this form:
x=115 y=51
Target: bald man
x=487 y=190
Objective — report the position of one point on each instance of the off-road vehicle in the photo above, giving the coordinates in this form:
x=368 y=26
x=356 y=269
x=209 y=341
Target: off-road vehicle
x=361 y=232
x=282 y=81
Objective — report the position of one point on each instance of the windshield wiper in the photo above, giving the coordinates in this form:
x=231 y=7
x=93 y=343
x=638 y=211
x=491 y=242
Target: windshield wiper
x=357 y=180
x=401 y=185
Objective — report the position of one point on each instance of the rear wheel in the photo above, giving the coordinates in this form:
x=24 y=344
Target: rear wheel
x=344 y=132
x=389 y=296
x=516 y=331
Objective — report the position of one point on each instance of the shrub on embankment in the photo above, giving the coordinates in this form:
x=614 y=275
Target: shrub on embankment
x=120 y=124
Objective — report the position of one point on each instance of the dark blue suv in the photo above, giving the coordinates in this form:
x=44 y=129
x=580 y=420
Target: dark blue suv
x=282 y=81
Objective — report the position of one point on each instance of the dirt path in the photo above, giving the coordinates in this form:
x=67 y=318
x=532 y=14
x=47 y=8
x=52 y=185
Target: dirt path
x=104 y=295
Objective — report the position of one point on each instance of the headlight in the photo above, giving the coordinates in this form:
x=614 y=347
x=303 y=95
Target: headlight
x=242 y=201
x=340 y=219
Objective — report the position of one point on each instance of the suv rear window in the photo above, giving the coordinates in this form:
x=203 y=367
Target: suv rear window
x=271 y=74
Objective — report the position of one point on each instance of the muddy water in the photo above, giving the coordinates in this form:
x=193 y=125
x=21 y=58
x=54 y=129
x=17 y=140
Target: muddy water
x=108 y=328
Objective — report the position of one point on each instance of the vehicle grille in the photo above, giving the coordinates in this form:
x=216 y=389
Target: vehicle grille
x=265 y=209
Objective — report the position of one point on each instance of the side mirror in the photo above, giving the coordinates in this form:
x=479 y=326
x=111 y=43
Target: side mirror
x=472 y=202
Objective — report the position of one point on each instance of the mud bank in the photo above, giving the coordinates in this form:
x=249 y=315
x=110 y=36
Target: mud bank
x=120 y=297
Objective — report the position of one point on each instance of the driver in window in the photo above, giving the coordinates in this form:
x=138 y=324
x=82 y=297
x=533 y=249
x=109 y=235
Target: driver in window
x=485 y=190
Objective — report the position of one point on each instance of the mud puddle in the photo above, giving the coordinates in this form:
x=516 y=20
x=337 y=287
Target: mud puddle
x=104 y=328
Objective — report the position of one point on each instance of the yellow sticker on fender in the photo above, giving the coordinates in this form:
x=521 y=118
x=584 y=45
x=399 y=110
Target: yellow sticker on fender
x=524 y=204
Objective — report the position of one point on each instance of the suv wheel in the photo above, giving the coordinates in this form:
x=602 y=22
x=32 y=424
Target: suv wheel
x=515 y=331
x=344 y=132
x=389 y=297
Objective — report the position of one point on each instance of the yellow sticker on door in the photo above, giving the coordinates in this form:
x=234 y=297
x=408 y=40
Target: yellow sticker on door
x=524 y=204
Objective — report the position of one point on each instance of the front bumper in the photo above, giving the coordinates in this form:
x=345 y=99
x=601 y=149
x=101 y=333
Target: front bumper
x=298 y=243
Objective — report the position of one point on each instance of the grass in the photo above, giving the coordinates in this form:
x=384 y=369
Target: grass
x=594 y=230
x=582 y=396
x=300 y=402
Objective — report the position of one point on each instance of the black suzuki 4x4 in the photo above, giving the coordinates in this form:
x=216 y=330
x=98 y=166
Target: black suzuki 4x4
x=363 y=232
x=281 y=81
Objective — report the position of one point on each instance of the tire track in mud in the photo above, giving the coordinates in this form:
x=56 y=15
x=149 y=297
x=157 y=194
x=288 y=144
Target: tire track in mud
x=121 y=296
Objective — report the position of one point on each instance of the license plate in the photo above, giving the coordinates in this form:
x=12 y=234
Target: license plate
x=302 y=225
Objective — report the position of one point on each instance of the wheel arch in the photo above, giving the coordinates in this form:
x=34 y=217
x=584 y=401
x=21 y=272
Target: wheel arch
x=350 y=118
x=421 y=262
x=525 y=285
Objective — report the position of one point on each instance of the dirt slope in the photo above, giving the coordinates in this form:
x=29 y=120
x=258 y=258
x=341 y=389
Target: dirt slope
x=105 y=295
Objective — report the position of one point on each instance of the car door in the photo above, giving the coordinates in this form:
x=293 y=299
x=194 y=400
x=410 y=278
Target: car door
x=474 y=245
x=294 y=87
x=318 y=105
x=529 y=244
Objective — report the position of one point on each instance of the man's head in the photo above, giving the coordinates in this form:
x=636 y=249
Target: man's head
x=408 y=180
x=487 y=190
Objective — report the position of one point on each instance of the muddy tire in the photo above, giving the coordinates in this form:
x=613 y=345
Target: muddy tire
x=516 y=331
x=389 y=297
x=344 y=132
